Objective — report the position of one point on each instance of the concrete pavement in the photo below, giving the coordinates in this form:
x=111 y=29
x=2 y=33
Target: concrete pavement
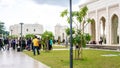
x=14 y=59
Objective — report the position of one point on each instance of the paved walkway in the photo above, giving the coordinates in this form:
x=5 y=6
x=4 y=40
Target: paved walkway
x=13 y=59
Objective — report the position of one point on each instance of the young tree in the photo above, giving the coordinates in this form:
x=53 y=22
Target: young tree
x=67 y=31
x=79 y=37
x=2 y=27
x=45 y=37
x=29 y=36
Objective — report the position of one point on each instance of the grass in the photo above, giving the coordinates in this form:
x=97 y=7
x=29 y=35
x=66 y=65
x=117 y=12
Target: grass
x=59 y=46
x=91 y=59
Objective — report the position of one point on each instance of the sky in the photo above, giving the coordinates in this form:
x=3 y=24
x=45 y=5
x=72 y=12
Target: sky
x=44 y=12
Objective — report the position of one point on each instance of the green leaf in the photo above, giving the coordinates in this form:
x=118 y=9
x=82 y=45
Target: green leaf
x=68 y=20
x=47 y=35
x=64 y=13
x=74 y=13
x=67 y=30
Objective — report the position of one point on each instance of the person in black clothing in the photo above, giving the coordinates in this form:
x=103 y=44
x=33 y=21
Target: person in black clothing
x=101 y=40
x=29 y=43
x=13 y=44
x=1 y=44
x=23 y=44
x=6 y=43
x=19 y=45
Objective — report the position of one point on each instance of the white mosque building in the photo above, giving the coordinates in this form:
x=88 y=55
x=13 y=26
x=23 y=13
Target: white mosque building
x=35 y=29
x=106 y=16
x=60 y=32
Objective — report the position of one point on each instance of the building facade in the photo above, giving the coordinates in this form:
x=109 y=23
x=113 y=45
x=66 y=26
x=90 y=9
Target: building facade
x=106 y=16
x=60 y=32
x=35 y=29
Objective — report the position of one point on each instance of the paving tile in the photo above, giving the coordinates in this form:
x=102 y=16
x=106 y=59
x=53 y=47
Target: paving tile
x=14 y=59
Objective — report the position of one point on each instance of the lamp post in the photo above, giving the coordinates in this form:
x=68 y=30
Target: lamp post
x=11 y=32
x=21 y=36
x=47 y=42
x=71 y=44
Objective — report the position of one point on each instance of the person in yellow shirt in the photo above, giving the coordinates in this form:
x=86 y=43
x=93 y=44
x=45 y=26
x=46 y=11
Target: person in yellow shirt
x=35 y=42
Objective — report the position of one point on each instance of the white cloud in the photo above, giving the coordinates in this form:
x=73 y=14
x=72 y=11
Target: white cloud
x=27 y=11
x=56 y=2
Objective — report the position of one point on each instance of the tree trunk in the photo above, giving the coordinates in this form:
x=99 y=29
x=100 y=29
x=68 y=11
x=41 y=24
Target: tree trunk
x=75 y=53
x=78 y=53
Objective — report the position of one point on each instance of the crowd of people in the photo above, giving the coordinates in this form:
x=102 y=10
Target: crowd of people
x=25 y=44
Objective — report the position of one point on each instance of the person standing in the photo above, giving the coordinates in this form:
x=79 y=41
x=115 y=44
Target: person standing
x=1 y=44
x=13 y=44
x=23 y=43
x=28 y=44
x=101 y=40
x=6 y=43
x=50 y=44
x=35 y=42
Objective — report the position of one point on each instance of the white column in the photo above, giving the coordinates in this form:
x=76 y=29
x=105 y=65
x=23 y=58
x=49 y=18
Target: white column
x=108 y=29
x=119 y=23
x=88 y=29
x=97 y=27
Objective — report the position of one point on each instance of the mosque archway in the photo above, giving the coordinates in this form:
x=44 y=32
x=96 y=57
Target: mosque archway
x=102 y=29
x=93 y=31
x=114 y=30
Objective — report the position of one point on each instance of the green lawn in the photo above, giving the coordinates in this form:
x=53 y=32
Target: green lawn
x=58 y=46
x=92 y=59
